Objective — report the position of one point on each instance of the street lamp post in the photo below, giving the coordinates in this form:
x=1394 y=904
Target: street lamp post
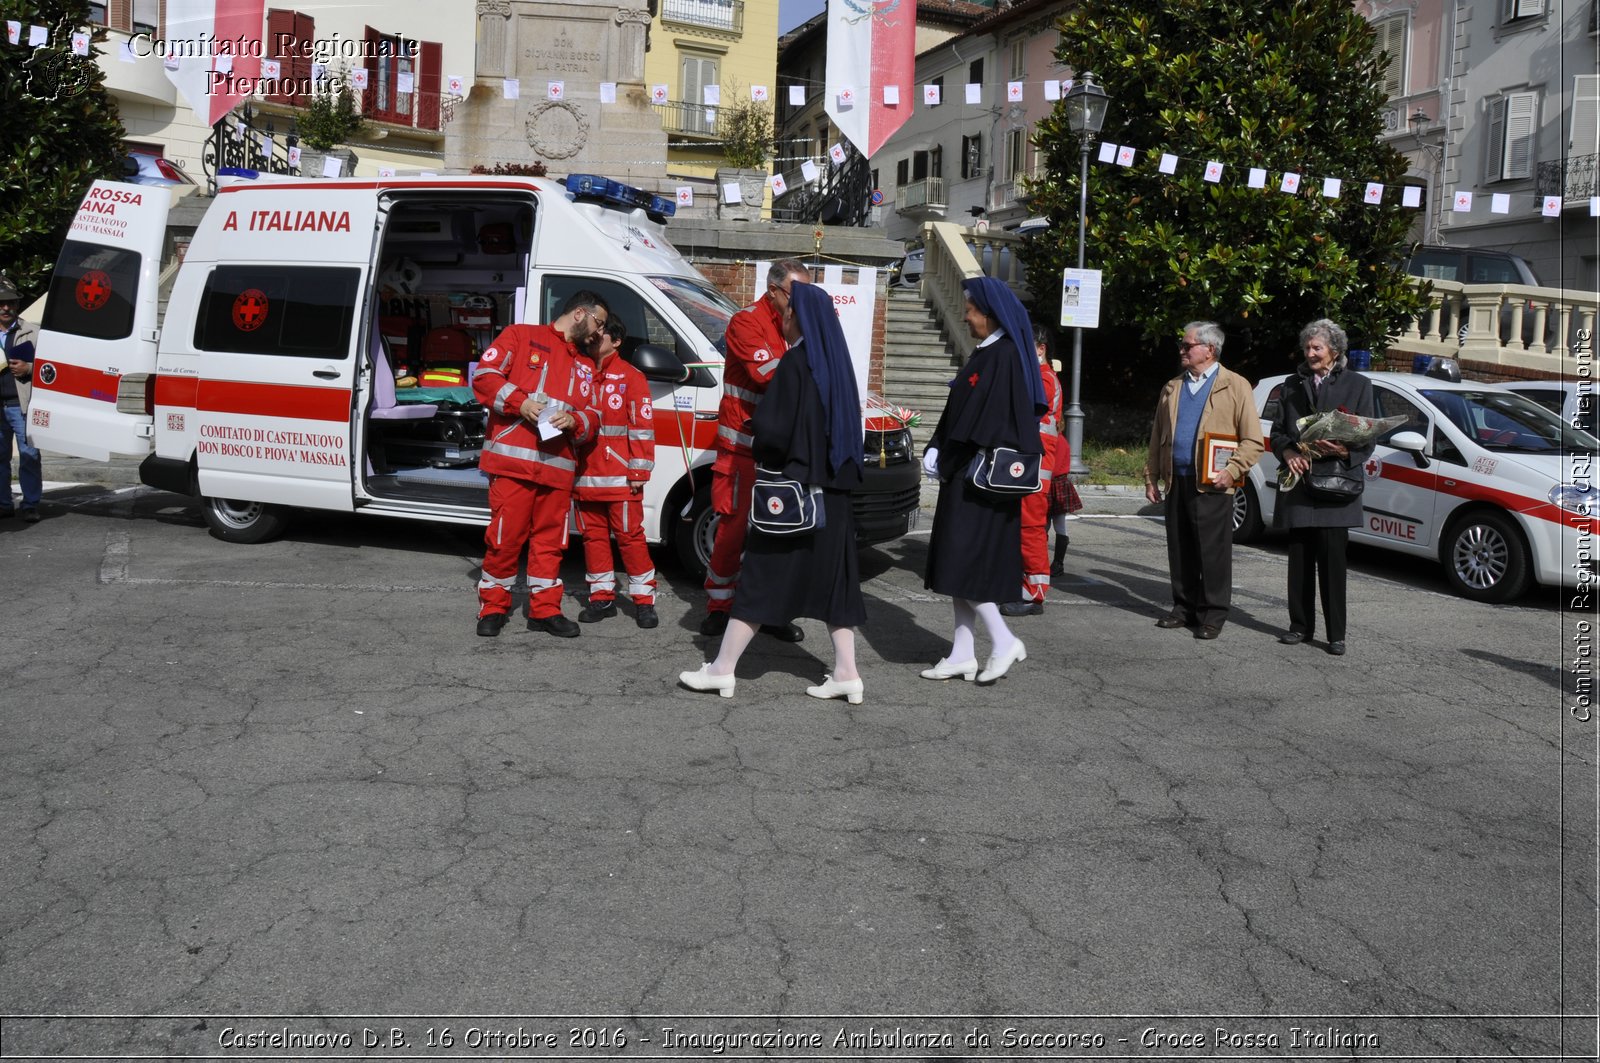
x=1086 y=105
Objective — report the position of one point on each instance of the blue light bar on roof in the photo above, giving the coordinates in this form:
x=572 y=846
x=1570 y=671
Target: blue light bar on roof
x=596 y=189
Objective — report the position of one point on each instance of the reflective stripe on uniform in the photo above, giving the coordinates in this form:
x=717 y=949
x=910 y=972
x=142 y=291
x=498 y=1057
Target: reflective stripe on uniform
x=485 y=581
x=1036 y=580
x=600 y=481
x=767 y=368
x=539 y=457
x=642 y=584
x=737 y=438
x=719 y=588
x=1045 y=475
x=743 y=394
x=613 y=429
x=500 y=397
x=536 y=585
x=641 y=435
x=1048 y=428
x=601 y=581
x=641 y=464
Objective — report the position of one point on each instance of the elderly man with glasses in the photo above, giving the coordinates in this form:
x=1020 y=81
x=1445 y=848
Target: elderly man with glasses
x=1205 y=438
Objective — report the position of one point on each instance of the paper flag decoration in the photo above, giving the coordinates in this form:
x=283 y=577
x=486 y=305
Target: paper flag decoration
x=1169 y=162
x=1594 y=206
x=1014 y=91
x=1331 y=186
x=13 y=31
x=730 y=192
x=553 y=90
x=658 y=94
x=974 y=94
x=1126 y=155
x=223 y=64
x=891 y=95
x=930 y=95
x=808 y=170
x=1411 y=196
x=797 y=95
x=1462 y=203
x=1257 y=178
x=1374 y=193
x=332 y=166
x=1500 y=203
x=1291 y=183
x=779 y=185
x=1108 y=152
x=608 y=92
x=294 y=156
x=758 y=94
x=511 y=88
x=712 y=94
x=386 y=171
x=685 y=195
x=80 y=43
x=358 y=78
x=455 y=84
x=38 y=36
x=1052 y=89
x=847 y=97
x=1213 y=171
x=271 y=69
x=836 y=153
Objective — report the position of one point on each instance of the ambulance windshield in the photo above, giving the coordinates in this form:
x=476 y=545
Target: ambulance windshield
x=702 y=304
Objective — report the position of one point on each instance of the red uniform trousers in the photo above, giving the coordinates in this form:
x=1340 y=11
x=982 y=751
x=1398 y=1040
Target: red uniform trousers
x=1036 y=529
x=732 y=479
x=599 y=520
x=524 y=513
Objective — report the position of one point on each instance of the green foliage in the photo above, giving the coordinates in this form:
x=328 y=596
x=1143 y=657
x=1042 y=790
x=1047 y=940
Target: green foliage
x=59 y=132
x=330 y=119
x=1286 y=87
x=745 y=127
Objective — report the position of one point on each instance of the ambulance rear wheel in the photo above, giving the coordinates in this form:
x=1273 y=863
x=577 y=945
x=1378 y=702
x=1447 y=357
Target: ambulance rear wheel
x=234 y=521
x=695 y=535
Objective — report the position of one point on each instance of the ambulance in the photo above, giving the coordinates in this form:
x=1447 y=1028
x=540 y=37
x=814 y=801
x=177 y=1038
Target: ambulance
x=1496 y=488
x=316 y=348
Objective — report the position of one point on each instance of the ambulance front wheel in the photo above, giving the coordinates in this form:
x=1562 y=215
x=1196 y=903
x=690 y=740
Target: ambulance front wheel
x=234 y=521
x=695 y=534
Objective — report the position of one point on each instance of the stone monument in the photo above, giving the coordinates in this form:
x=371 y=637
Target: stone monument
x=579 y=44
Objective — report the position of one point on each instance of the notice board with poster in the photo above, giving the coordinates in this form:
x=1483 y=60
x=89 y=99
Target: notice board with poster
x=1080 y=298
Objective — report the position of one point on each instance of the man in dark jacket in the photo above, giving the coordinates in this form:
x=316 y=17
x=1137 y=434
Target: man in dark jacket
x=16 y=339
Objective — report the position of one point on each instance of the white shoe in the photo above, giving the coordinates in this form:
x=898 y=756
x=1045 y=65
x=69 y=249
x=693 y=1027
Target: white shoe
x=849 y=689
x=998 y=666
x=947 y=669
x=704 y=680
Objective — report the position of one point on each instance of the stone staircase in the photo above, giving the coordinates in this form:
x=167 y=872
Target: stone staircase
x=917 y=361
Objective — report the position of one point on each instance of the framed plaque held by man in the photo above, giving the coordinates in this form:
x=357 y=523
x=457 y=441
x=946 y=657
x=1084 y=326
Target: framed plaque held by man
x=1216 y=450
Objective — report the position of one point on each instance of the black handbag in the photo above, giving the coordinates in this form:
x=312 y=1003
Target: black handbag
x=1005 y=472
x=783 y=506
x=1340 y=484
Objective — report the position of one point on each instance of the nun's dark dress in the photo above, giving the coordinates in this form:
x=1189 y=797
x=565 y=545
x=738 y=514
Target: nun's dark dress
x=975 y=550
x=816 y=574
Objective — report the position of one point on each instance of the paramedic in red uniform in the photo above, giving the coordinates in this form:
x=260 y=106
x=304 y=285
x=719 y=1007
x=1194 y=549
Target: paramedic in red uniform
x=755 y=344
x=1036 y=507
x=612 y=471
x=533 y=373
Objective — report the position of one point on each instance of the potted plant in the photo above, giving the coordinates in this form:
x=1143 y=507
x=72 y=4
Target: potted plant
x=329 y=121
x=746 y=130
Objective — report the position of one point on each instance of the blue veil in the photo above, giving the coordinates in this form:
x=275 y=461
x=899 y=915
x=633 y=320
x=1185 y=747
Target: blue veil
x=833 y=372
x=996 y=300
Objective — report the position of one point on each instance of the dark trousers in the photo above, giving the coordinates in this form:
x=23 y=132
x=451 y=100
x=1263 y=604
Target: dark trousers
x=1316 y=559
x=1200 y=552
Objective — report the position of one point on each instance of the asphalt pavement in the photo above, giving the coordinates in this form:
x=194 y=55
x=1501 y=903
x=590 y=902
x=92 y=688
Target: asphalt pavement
x=279 y=801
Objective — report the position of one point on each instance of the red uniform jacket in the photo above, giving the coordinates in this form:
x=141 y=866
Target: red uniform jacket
x=523 y=361
x=623 y=452
x=1050 y=425
x=755 y=344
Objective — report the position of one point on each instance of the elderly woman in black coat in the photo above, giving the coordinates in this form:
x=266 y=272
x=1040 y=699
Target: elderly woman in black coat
x=1319 y=521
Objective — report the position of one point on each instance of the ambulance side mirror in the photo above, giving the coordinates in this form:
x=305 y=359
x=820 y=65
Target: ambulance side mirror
x=1412 y=443
x=658 y=363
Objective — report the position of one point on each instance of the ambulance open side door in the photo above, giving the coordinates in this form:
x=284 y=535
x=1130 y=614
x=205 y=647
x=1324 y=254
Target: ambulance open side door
x=95 y=360
x=274 y=344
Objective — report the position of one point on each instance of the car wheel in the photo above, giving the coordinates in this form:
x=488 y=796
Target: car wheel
x=234 y=521
x=695 y=535
x=1485 y=557
x=1247 y=525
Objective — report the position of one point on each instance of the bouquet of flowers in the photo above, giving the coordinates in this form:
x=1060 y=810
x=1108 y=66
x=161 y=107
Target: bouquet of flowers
x=1334 y=426
x=876 y=405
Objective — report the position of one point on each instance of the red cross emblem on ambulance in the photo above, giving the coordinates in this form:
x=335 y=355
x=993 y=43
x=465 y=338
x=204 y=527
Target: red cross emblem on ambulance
x=250 y=310
x=94 y=289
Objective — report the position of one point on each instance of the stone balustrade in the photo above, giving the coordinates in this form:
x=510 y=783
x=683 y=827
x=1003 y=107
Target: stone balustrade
x=1511 y=326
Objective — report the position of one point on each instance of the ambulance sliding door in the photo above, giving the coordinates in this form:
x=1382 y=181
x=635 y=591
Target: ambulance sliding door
x=275 y=335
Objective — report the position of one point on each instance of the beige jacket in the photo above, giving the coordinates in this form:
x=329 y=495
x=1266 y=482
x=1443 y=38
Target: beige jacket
x=1230 y=410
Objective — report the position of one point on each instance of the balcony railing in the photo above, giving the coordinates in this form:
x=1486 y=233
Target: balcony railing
x=725 y=15
x=1506 y=324
x=692 y=120
x=1572 y=179
x=921 y=197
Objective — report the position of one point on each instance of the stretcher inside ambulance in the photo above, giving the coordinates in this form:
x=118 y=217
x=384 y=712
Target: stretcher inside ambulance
x=317 y=345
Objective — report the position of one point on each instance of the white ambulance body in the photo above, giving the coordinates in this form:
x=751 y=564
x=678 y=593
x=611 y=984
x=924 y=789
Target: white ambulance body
x=268 y=383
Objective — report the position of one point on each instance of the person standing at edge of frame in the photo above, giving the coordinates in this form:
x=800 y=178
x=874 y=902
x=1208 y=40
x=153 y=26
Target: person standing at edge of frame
x=1319 y=525
x=16 y=385
x=975 y=548
x=1204 y=404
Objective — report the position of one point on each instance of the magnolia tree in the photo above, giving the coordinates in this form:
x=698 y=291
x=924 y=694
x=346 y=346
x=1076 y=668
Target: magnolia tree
x=59 y=130
x=1244 y=83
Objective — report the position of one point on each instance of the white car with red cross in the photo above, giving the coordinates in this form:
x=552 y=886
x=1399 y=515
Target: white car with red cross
x=1493 y=486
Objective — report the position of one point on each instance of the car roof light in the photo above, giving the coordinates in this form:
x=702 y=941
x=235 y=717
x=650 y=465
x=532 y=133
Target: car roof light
x=587 y=187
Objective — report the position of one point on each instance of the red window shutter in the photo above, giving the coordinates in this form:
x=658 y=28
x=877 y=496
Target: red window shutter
x=305 y=35
x=280 y=28
x=369 y=95
x=428 y=82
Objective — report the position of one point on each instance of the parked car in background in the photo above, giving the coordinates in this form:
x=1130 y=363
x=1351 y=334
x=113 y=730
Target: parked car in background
x=1564 y=399
x=144 y=168
x=1479 y=478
